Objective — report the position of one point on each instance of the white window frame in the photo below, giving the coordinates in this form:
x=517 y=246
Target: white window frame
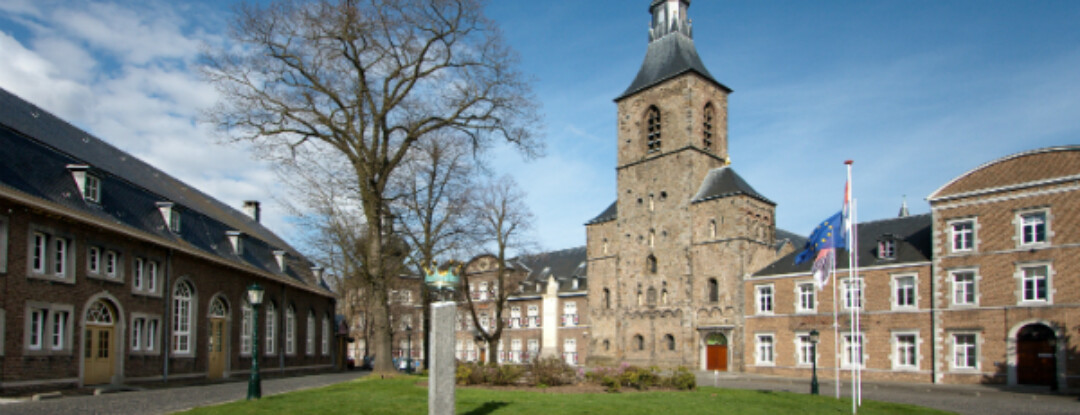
x=246 y=311
x=144 y=338
x=39 y=252
x=309 y=346
x=898 y=354
x=183 y=321
x=765 y=351
x=138 y=273
x=1022 y=279
x=803 y=349
x=153 y=269
x=887 y=248
x=93 y=260
x=92 y=189
x=290 y=330
x=570 y=314
x=153 y=333
x=43 y=336
x=533 y=316
x=325 y=336
x=765 y=302
x=895 y=290
x=59 y=332
x=138 y=332
x=953 y=286
x=1022 y=227
x=972 y=240
x=849 y=347
x=801 y=294
x=37 y=319
x=954 y=350
x=271 y=329
x=50 y=255
x=112 y=263
x=845 y=288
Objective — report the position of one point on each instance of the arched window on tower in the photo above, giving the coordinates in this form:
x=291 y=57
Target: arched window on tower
x=639 y=342
x=712 y=228
x=670 y=341
x=652 y=138
x=650 y=264
x=714 y=291
x=707 y=139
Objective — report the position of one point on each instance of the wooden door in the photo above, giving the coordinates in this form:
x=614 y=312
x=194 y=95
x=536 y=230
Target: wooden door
x=1035 y=356
x=717 y=358
x=216 y=369
x=98 y=355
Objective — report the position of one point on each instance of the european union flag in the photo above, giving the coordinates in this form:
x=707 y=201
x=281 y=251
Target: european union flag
x=829 y=235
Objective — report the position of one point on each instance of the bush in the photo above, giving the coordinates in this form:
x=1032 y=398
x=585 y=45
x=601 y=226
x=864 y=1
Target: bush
x=551 y=371
x=681 y=379
x=505 y=374
x=639 y=378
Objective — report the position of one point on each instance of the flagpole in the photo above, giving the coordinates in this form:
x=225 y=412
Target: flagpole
x=836 y=330
x=858 y=312
x=856 y=296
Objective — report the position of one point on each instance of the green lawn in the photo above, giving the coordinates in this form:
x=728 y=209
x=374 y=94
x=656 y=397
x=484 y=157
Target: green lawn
x=403 y=396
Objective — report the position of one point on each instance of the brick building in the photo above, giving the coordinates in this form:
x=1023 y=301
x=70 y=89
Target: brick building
x=111 y=271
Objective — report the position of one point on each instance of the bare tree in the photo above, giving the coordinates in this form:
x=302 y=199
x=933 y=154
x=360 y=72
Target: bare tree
x=369 y=78
x=504 y=221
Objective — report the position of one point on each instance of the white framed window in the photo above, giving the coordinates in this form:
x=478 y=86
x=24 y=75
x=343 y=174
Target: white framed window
x=290 y=330
x=271 y=326
x=765 y=349
x=483 y=291
x=1033 y=227
x=533 y=348
x=59 y=329
x=852 y=292
x=112 y=264
x=37 y=320
x=138 y=273
x=853 y=350
x=515 y=317
x=152 y=330
x=48 y=328
x=50 y=256
x=962 y=234
x=965 y=351
x=151 y=276
x=805 y=297
x=92 y=189
x=905 y=292
x=138 y=330
x=887 y=249
x=93 y=260
x=326 y=336
x=764 y=299
x=570 y=315
x=570 y=351
x=183 y=299
x=144 y=333
x=309 y=346
x=245 y=328
x=804 y=349
x=1035 y=283
x=39 y=256
x=964 y=287
x=905 y=350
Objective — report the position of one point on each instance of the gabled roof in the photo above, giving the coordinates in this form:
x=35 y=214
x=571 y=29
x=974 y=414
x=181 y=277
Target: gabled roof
x=609 y=214
x=667 y=58
x=36 y=147
x=725 y=182
x=912 y=235
x=565 y=265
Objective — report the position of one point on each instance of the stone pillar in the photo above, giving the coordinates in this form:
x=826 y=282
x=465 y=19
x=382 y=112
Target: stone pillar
x=442 y=376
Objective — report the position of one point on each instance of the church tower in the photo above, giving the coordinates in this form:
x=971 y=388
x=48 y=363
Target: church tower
x=666 y=260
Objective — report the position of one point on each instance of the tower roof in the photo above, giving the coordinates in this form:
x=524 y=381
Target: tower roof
x=671 y=49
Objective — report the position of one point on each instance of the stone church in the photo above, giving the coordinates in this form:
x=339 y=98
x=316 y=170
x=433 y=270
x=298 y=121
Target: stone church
x=667 y=259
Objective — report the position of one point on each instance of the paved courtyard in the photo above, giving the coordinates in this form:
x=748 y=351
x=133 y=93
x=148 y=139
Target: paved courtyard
x=962 y=399
x=169 y=400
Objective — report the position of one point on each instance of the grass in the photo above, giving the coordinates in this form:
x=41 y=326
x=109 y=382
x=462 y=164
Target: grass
x=403 y=396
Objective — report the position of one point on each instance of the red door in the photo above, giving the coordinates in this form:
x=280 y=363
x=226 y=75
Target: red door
x=1035 y=356
x=716 y=352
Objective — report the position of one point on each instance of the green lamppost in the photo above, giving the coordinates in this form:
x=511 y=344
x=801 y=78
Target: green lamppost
x=814 y=337
x=255 y=297
x=442 y=283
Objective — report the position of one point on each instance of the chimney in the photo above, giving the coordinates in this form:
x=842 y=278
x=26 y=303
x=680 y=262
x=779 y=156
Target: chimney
x=252 y=209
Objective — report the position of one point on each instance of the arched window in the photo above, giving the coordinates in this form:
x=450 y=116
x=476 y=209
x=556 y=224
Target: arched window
x=245 y=328
x=663 y=297
x=290 y=330
x=670 y=341
x=271 y=328
x=652 y=238
x=607 y=345
x=714 y=291
x=652 y=138
x=309 y=346
x=712 y=228
x=607 y=298
x=710 y=114
x=650 y=264
x=639 y=342
x=640 y=297
x=183 y=297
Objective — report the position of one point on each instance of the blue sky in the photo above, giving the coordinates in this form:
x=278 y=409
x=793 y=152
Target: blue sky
x=916 y=92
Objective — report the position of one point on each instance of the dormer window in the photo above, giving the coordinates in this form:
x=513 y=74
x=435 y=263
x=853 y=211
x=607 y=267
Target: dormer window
x=887 y=249
x=279 y=256
x=236 y=240
x=89 y=184
x=171 y=215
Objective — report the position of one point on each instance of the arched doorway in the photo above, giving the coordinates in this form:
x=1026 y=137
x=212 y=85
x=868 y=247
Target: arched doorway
x=716 y=352
x=218 y=315
x=1036 y=355
x=99 y=343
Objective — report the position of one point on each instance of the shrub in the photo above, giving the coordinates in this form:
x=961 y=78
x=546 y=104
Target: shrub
x=463 y=372
x=551 y=371
x=681 y=379
x=505 y=374
x=639 y=378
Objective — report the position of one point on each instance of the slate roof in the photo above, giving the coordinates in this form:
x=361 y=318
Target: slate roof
x=666 y=58
x=36 y=147
x=564 y=265
x=724 y=182
x=913 y=245
x=794 y=239
x=609 y=214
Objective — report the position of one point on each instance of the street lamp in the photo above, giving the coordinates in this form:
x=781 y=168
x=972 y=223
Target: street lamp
x=408 y=353
x=814 y=337
x=255 y=297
